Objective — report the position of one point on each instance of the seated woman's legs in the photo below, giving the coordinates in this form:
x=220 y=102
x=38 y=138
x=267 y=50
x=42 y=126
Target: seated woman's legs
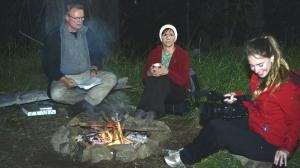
x=175 y=102
x=155 y=92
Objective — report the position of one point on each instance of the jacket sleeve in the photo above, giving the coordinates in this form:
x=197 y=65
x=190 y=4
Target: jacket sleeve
x=150 y=60
x=291 y=108
x=95 y=52
x=51 y=56
x=253 y=85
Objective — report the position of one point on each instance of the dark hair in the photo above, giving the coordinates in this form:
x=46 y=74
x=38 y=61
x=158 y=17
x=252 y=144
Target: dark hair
x=267 y=46
x=166 y=30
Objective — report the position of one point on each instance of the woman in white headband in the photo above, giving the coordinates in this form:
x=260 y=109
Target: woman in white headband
x=166 y=76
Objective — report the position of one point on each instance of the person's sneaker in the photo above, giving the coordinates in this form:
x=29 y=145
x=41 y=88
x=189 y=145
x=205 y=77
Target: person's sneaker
x=168 y=152
x=174 y=160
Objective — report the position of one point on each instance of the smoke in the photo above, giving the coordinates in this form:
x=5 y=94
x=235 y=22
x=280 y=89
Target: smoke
x=103 y=33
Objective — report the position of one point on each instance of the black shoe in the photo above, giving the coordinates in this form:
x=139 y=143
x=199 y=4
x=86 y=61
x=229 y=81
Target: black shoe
x=145 y=115
x=150 y=115
x=140 y=114
x=82 y=106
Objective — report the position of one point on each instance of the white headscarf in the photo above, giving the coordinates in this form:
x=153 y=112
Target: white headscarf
x=166 y=27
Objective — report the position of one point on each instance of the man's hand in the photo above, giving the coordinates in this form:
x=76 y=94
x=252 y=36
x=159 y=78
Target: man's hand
x=70 y=83
x=93 y=73
x=280 y=158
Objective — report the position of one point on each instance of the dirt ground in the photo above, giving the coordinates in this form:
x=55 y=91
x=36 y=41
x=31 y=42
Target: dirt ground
x=25 y=141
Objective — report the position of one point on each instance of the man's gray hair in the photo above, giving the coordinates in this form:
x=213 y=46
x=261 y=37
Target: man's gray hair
x=74 y=5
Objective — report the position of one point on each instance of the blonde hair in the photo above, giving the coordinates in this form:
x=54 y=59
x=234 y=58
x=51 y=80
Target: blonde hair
x=267 y=46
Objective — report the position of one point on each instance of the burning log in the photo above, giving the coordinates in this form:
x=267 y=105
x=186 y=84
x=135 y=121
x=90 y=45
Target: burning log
x=110 y=125
x=119 y=129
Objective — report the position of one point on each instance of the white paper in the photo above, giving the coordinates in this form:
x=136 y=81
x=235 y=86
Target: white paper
x=41 y=111
x=89 y=83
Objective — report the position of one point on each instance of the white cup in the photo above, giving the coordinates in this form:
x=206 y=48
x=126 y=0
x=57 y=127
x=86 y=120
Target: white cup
x=156 y=65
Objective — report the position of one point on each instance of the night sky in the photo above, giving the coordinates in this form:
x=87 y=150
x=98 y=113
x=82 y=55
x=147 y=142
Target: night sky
x=199 y=22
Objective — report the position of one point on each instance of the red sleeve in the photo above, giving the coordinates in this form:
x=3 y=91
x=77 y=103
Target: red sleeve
x=154 y=57
x=253 y=86
x=290 y=104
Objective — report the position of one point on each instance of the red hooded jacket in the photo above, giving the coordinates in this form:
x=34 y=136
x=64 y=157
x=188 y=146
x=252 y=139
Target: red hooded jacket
x=179 y=67
x=275 y=114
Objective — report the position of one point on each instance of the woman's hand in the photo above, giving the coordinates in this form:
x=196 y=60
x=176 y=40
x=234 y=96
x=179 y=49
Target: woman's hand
x=157 y=70
x=280 y=158
x=230 y=98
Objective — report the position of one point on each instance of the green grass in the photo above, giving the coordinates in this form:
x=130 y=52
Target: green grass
x=20 y=69
x=224 y=71
x=220 y=159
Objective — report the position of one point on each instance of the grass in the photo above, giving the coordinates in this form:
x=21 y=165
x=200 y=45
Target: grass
x=20 y=69
x=224 y=71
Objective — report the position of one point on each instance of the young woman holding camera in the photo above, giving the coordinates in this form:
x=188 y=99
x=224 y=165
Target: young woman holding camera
x=272 y=129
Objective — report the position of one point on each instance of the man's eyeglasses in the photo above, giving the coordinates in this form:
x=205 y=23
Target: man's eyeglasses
x=76 y=18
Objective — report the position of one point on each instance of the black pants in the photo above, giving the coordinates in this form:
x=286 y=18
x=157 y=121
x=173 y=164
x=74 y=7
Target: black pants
x=233 y=135
x=159 y=91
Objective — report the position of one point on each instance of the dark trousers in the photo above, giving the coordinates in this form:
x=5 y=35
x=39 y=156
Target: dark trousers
x=159 y=91
x=233 y=135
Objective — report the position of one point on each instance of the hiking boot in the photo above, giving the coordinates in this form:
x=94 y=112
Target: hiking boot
x=82 y=106
x=174 y=160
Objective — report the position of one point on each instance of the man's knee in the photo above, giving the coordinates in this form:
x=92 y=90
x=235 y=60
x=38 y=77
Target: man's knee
x=110 y=78
x=56 y=95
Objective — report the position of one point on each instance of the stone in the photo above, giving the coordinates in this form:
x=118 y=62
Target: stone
x=99 y=153
x=64 y=148
x=61 y=136
x=125 y=152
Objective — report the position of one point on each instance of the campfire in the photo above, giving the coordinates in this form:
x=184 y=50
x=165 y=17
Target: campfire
x=110 y=138
x=111 y=133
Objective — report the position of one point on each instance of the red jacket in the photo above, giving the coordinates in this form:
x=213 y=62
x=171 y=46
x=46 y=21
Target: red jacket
x=179 y=67
x=275 y=115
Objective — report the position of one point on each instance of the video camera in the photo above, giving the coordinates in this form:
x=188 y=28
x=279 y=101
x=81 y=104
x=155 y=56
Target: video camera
x=215 y=107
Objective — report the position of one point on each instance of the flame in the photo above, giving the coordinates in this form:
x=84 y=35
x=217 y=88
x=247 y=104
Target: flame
x=114 y=136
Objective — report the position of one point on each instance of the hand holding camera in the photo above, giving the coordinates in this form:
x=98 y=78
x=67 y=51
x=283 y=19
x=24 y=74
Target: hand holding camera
x=230 y=98
x=228 y=106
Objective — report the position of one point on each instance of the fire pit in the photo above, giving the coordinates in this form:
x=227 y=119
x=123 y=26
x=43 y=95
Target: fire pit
x=125 y=140
x=111 y=133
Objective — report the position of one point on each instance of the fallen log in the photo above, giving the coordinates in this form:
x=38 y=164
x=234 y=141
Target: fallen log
x=41 y=95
